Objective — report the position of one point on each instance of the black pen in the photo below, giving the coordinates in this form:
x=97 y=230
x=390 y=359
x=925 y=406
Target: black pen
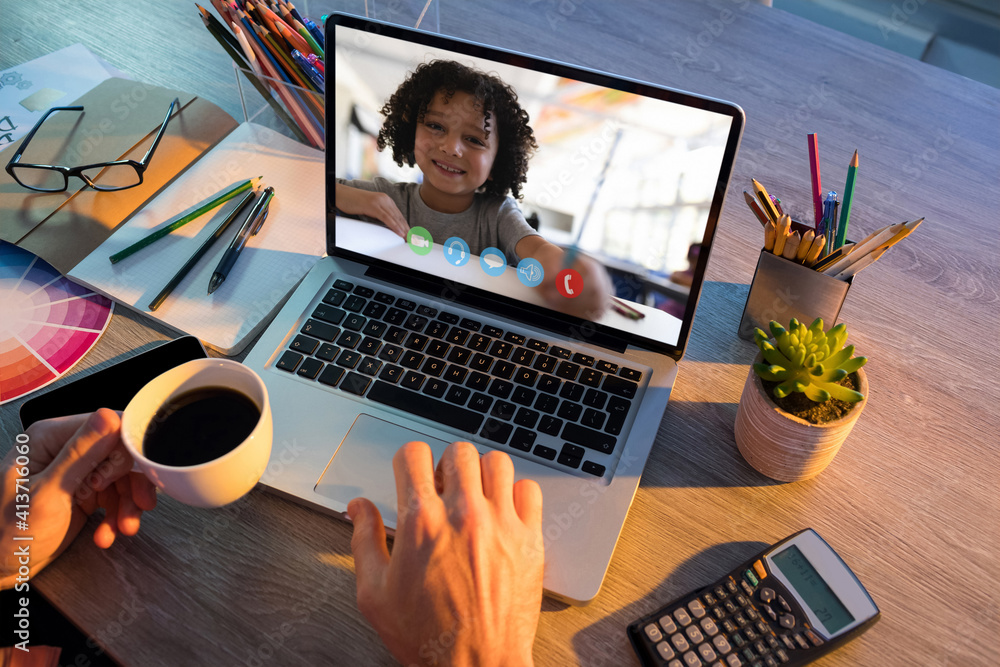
x=155 y=303
x=250 y=228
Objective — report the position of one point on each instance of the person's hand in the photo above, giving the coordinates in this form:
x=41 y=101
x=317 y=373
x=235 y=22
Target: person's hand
x=463 y=585
x=593 y=300
x=376 y=205
x=74 y=465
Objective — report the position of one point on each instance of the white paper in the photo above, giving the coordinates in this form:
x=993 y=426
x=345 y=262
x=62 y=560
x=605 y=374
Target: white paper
x=28 y=90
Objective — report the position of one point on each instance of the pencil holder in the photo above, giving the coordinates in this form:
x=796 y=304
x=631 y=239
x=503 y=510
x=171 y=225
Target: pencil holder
x=783 y=289
x=292 y=110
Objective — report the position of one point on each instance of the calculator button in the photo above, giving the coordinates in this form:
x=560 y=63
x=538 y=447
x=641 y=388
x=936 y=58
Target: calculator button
x=782 y=656
x=653 y=632
x=668 y=625
x=665 y=651
x=787 y=641
x=749 y=654
x=679 y=642
x=813 y=637
x=784 y=604
x=741 y=601
x=760 y=646
x=747 y=588
x=749 y=634
x=707 y=653
x=763 y=629
x=718 y=613
x=675 y=663
x=772 y=642
x=733 y=660
x=709 y=626
x=758 y=567
x=752 y=613
x=769 y=661
x=751 y=578
x=801 y=641
x=771 y=614
x=766 y=594
x=728 y=626
x=709 y=599
x=737 y=639
x=731 y=586
x=742 y=620
x=697 y=608
x=720 y=592
x=721 y=645
x=787 y=621
x=730 y=607
x=682 y=616
x=691 y=659
x=694 y=634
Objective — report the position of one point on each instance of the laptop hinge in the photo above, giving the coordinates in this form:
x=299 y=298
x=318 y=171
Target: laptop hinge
x=583 y=332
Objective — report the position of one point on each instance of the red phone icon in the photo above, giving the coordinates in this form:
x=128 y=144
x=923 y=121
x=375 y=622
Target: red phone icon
x=569 y=282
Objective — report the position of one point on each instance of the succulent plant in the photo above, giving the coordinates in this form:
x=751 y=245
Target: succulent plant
x=808 y=360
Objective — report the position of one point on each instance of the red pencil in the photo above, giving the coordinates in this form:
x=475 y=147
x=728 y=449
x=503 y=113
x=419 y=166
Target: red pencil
x=817 y=187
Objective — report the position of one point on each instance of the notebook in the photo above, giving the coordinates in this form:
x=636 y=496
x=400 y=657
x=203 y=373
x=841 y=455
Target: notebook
x=280 y=254
x=388 y=340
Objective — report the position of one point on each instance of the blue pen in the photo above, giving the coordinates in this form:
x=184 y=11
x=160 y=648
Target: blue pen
x=829 y=221
x=314 y=30
x=309 y=70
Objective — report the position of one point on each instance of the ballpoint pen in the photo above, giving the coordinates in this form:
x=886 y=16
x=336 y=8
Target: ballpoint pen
x=250 y=227
x=179 y=276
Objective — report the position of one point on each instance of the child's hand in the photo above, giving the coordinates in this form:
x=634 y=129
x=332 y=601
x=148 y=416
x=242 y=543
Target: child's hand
x=595 y=298
x=376 y=205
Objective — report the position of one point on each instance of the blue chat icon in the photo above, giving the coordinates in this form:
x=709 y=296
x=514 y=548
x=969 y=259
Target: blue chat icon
x=493 y=262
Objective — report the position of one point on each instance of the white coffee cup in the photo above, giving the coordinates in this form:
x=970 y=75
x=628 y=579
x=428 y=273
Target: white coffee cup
x=219 y=481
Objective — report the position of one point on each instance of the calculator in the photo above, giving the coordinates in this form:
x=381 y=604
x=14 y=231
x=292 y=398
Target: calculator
x=795 y=601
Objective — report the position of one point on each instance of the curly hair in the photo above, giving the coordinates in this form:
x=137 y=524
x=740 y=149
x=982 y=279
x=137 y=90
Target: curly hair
x=407 y=106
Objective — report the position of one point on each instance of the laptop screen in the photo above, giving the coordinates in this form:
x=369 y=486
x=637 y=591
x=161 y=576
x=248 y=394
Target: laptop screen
x=585 y=201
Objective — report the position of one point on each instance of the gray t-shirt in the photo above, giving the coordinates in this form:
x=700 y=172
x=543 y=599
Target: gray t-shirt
x=490 y=221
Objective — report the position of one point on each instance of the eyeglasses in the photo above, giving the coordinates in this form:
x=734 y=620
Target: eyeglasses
x=103 y=176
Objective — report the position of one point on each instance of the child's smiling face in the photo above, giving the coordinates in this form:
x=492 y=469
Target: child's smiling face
x=453 y=151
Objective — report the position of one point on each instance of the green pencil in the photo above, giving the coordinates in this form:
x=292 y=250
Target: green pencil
x=180 y=222
x=845 y=208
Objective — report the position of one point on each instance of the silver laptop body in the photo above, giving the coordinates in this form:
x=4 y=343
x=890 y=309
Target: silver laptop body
x=337 y=419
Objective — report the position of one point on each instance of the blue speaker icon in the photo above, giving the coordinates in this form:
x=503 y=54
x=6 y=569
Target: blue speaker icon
x=530 y=272
x=456 y=251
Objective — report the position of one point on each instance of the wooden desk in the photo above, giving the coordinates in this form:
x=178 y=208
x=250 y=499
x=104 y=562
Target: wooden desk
x=910 y=501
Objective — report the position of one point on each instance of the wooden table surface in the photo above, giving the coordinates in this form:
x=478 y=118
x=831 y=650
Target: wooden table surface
x=910 y=502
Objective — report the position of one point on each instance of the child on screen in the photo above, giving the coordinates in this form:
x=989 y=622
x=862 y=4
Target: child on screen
x=469 y=136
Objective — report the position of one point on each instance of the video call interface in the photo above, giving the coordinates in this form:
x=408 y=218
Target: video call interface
x=624 y=180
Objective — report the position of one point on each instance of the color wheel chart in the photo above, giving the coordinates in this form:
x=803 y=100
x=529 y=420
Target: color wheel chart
x=47 y=322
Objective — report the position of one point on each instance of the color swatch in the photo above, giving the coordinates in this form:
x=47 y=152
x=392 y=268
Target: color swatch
x=47 y=322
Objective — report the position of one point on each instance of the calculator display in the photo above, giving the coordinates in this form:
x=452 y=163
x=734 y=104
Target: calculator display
x=813 y=589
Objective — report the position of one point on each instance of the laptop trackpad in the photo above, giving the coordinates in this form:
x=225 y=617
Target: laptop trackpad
x=362 y=465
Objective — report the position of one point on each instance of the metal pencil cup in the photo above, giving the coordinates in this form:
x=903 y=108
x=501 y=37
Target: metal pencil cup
x=783 y=289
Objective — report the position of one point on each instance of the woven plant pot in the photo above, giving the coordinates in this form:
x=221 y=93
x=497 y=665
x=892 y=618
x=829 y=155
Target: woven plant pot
x=785 y=447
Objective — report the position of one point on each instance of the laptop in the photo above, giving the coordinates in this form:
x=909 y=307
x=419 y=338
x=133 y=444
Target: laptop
x=388 y=340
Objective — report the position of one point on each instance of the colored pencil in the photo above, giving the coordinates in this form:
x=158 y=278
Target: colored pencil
x=257 y=83
x=184 y=219
x=845 y=209
x=765 y=200
x=817 y=188
x=752 y=203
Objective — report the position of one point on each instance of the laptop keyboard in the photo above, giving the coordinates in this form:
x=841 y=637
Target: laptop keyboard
x=543 y=401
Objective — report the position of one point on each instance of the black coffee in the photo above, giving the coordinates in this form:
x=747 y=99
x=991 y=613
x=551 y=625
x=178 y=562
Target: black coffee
x=199 y=426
